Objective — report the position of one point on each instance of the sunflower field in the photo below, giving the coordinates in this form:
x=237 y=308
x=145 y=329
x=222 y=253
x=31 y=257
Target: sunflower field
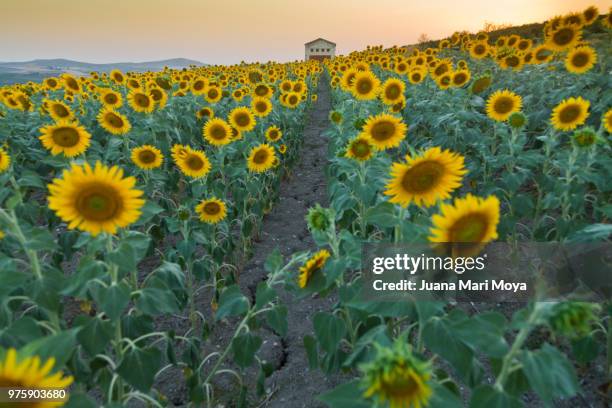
x=132 y=201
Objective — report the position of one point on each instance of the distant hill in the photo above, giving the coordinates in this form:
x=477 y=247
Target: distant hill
x=36 y=70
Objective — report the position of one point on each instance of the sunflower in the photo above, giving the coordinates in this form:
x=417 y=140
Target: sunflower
x=392 y=91
x=384 y=131
x=292 y=99
x=607 y=120
x=5 y=160
x=607 y=20
x=570 y=113
x=426 y=178
x=261 y=106
x=502 y=104
x=31 y=373
x=213 y=94
x=242 y=118
x=365 y=85
x=65 y=137
x=58 y=110
x=198 y=86
x=217 y=132
x=261 y=158
x=51 y=83
x=590 y=15
x=95 y=199
x=117 y=76
x=282 y=149
x=581 y=59
x=111 y=98
x=141 y=101
x=564 y=37
x=147 y=157
x=396 y=375
x=417 y=75
x=479 y=50
x=113 y=121
x=205 y=112
x=460 y=78
x=542 y=54
x=71 y=83
x=211 y=210
x=468 y=220
x=360 y=149
x=193 y=163
x=159 y=97
x=273 y=134
x=585 y=137
x=313 y=264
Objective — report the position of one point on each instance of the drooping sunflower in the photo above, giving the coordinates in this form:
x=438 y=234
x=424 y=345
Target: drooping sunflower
x=607 y=120
x=564 y=37
x=242 y=118
x=570 y=113
x=426 y=178
x=141 y=101
x=5 y=160
x=274 y=134
x=590 y=15
x=392 y=91
x=360 y=149
x=580 y=59
x=211 y=210
x=95 y=200
x=384 y=131
x=113 y=121
x=313 y=264
x=111 y=98
x=261 y=106
x=31 y=373
x=503 y=103
x=365 y=85
x=217 y=132
x=193 y=163
x=469 y=220
x=58 y=110
x=147 y=157
x=65 y=137
x=398 y=376
x=261 y=158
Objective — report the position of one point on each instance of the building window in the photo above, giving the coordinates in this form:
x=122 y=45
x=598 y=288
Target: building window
x=327 y=50
x=312 y=49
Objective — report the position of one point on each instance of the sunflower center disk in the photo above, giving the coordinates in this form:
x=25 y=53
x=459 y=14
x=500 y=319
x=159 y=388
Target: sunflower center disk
x=503 y=105
x=147 y=157
x=114 y=120
x=569 y=114
x=98 y=203
x=260 y=157
x=422 y=177
x=60 y=111
x=580 y=60
x=66 y=137
x=383 y=130
x=470 y=228
x=194 y=162
x=212 y=208
x=218 y=133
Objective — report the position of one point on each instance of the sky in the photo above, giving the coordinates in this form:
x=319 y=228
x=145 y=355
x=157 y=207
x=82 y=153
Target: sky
x=230 y=31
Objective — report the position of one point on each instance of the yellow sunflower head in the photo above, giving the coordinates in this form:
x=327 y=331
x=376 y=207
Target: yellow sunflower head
x=425 y=179
x=205 y=113
x=5 y=160
x=261 y=106
x=384 y=131
x=117 y=76
x=282 y=149
x=217 y=132
x=242 y=118
x=95 y=200
x=570 y=113
x=580 y=59
x=213 y=94
x=479 y=50
x=193 y=163
x=273 y=134
x=397 y=376
x=501 y=104
x=365 y=85
x=564 y=37
x=58 y=110
x=111 y=98
x=147 y=157
x=113 y=121
x=360 y=149
x=261 y=158
x=71 y=83
x=607 y=120
x=460 y=78
x=313 y=264
x=141 y=101
x=211 y=210
x=392 y=91
x=65 y=137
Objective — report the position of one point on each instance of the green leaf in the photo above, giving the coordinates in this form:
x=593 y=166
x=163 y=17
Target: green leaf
x=244 y=347
x=486 y=396
x=59 y=346
x=112 y=300
x=156 y=301
x=232 y=303
x=329 y=330
x=139 y=367
x=585 y=349
x=79 y=400
x=95 y=335
x=274 y=261
x=264 y=295
x=310 y=344
x=30 y=179
x=347 y=395
x=442 y=397
x=549 y=373
x=149 y=210
x=277 y=319
x=382 y=215
x=39 y=239
x=483 y=333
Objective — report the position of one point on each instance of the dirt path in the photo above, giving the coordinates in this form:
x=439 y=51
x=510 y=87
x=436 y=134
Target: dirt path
x=293 y=384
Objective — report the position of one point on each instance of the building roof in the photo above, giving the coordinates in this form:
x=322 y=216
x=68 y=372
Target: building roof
x=322 y=39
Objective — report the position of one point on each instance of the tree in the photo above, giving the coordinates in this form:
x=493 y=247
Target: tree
x=423 y=38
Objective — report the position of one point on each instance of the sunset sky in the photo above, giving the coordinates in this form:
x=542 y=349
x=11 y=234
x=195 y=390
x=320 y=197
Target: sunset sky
x=228 y=31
